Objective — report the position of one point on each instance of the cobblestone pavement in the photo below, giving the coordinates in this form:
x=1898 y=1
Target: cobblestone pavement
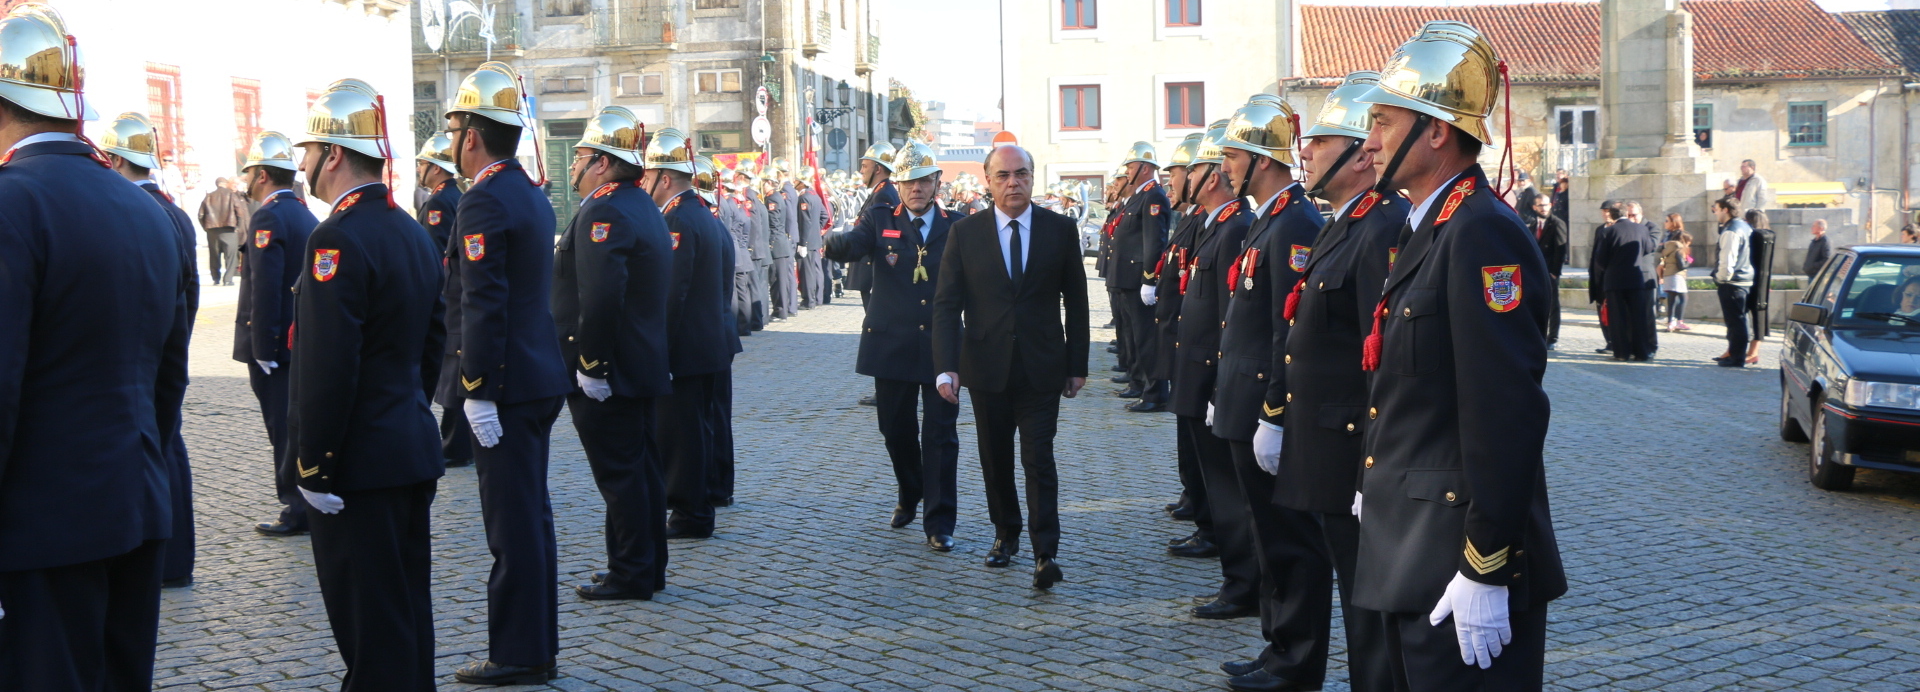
x=1700 y=557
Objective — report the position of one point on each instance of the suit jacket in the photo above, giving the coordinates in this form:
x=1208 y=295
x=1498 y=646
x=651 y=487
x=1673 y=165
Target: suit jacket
x=1597 y=255
x=1253 y=339
x=1550 y=233
x=1001 y=317
x=369 y=336
x=1818 y=250
x=508 y=351
x=1453 y=474
x=1219 y=236
x=1320 y=455
x=701 y=332
x=437 y=214
x=611 y=274
x=1170 y=294
x=1138 y=238
x=91 y=300
x=896 y=341
x=270 y=263
x=1627 y=261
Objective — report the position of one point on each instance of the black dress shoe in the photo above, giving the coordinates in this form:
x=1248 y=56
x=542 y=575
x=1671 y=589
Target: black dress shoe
x=943 y=544
x=1045 y=573
x=1113 y=349
x=490 y=673
x=1130 y=392
x=1182 y=502
x=1116 y=368
x=599 y=591
x=599 y=577
x=1184 y=513
x=1120 y=379
x=1239 y=668
x=1146 y=407
x=1222 y=610
x=687 y=532
x=1177 y=541
x=1002 y=552
x=1641 y=359
x=1603 y=350
x=867 y=401
x=722 y=502
x=1108 y=325
x=279 y=528
x=180 y=583
x=902 y=516
x=457 y=463
x=1731 y=362
x=1261 y=681
x=1196 y=548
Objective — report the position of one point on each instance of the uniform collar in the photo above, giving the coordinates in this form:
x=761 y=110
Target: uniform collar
x=1145 y=186
x=343 y=195
x=1214 y=213
x=1266 y=206
x=1349 y=205
x=44 y=137
x=1420 y=212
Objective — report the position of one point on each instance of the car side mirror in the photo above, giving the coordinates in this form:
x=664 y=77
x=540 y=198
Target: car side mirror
x=1807 y=313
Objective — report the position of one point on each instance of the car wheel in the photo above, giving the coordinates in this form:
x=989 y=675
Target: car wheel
x=1790 y=429
x=1821 y=469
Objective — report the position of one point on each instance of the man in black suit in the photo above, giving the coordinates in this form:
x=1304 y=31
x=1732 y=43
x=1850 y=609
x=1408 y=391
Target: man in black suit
x=436 y=173
x=1550 y=233
x=1008 y=274
x=1624 y=268
x=896 y=349
x=366 y=450
x=1138 y=238
x=1602 y=244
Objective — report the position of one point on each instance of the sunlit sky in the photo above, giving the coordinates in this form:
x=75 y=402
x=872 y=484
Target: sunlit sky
x=946 y=49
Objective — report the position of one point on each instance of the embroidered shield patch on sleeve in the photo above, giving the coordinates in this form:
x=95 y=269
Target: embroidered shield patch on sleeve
x=433 y=218
x=676 y=240
x=599 y=232
x=476 y=246
x=262 y=237
x=1502 y=287
x=325 y=264
x=1298 y=259
x=1153 y=210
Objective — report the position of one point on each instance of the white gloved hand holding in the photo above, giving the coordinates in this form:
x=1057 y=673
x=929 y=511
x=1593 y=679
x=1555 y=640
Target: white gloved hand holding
x=267 y=366
x=484 y=417
x=1209 y=414
x=595 y=388
x=1356 y=505
x=1479 y=618
x=327 y=503
x=1266 y=447
x=1148 y=295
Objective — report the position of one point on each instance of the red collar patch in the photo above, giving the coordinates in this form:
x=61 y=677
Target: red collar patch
x=605 y=190
x=671 y=205
x=488 y=173
x=1280 y=203
x=347 y=203
x=438 y=188
x=1227 y=211
x=1366 y=204
x=1460 y=193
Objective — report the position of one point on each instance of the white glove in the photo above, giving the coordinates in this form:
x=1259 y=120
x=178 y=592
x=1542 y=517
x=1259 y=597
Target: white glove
x=1148 y=295
x=1209 y=414
x=484 y=417
x=1266 y=447
x=267 y=366
x=327 y=503
x=1356 y=505
x=1479 y=618
x=596 y=388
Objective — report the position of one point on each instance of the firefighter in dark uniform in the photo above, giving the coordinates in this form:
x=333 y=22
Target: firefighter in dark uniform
x=91 y=301
x=611 y=271
x=759 y=243
x=434 y=171
x=720 y=452
x=1454 y=523
x=1320 y=454
x=906 y=243
x=701 y=339
x=1225 y=220
x=876 y=172
x=1166 y=315
x=1250 y=403
x=131 y=146
x=366 y=450
x=1137 y=241
x=271 y=261
x=506 y=371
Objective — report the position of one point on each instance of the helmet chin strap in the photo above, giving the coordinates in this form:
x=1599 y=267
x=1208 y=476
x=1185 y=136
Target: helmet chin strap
x=1320 y=186
x=1246 y=180
x=1420 y=124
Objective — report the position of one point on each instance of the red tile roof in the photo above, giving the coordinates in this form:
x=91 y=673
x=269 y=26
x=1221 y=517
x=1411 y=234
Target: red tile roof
x=1560 y=41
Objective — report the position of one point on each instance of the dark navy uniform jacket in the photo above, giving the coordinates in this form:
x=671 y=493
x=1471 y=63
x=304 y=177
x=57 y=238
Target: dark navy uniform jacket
x=701 y=332
x=437 y=214
x=90 y=300
x=759 y=228
x=860 y=273
x=1167 y=294
x=813 y=218
x=173 y=385
x=611 y=274
x=190 y=266
x=1139 y=238
x=1320 y=455
x=896 y=341
x=508 y=351
x=1197 y=345
x=270 y=263
x=369 y=335
x=1253 y=334
x=1453 y=477
x=779 y=224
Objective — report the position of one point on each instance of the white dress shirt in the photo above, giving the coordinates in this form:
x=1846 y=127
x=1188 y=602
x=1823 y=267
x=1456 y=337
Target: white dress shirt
x=1001 y=222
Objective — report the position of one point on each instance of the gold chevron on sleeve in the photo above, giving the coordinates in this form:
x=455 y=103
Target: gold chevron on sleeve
x=584 y=365
x=1272 y=410
x=1485 y=564
x=304 y=471
x=471 y=384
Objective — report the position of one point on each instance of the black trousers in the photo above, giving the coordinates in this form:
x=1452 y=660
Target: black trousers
x=1034 y=413
x=758 y=290
x=813 y=278
x=925 y=450
x=1733 y=309
x=1631 y=313
x=617 y=435
x=272 y=393
x=684 y=421
x=217 y=252
x=720 y=445
x=1230 y=515
x=89 y=627
x=1140 y=330
x=374 y=561
x=743 y=303
x=522 y=608
x=1296 y=573
x=785 y=287
x=456 y=440
x=1553 y=313
x=1123 y=338
x=1189 y=433
x=1426 y=658
x=1367 y=659
x=177 y=555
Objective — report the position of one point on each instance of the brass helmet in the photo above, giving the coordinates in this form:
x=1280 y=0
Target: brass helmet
x=350 y=114
x=274 y=149
x=616 y=131
x=1185 y=151
x=780 y=167
x=881 y=153
x=1340 y=115
x=1211 y=145
x=131 y=137
x=437 y=150
x=493 y=90
x=1141 y=152
x=39 y=70
x=1447 y=71
x=1265 y=127
x=671 y=150
x=703 y=178
x=915 y=161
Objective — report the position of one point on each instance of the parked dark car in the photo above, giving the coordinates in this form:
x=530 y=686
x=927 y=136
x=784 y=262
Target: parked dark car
x=1850 y=369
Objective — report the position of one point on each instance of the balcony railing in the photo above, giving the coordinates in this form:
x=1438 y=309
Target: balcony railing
x=642 y=26
x=471 y=33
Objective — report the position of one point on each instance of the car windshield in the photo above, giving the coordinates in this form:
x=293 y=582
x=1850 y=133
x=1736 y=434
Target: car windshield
x=1884 y=294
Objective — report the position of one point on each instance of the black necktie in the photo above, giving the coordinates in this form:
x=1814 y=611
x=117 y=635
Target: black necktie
x=919 y=231
x=1016 y=271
